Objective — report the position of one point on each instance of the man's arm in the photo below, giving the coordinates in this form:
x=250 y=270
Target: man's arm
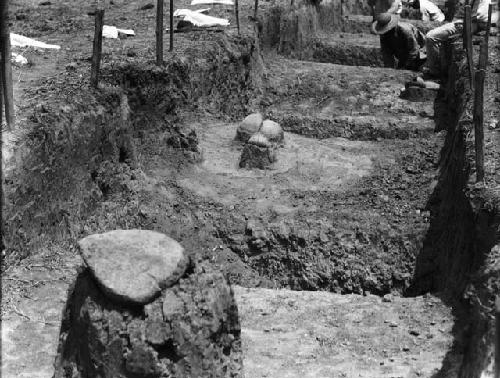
x=409 y=48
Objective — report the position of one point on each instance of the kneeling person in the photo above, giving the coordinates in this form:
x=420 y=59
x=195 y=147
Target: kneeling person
x=399 y=41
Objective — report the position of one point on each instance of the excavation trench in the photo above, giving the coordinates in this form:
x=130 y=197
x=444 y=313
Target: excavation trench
x=344 y=209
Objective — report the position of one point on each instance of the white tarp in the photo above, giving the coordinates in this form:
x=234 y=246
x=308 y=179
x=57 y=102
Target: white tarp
x=112 y=31
x=223 y=2
x=186 y=12
x=200 y=19
x=19 y=40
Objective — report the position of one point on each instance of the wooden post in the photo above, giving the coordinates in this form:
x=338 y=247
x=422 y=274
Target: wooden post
x=97 y=48
x=237 y=15
x=488 y=25
x=6 y=66
x=171 y=25
x=159 y=32
x=497 y=337
x=468 y=43
x=1 y=96
x=478 y=116
x=255 y=11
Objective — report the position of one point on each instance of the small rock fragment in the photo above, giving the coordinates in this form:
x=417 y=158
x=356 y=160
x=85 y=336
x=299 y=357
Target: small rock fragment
x=172 y=305
x=387 y=298
x=71 y=66
x=414 y=332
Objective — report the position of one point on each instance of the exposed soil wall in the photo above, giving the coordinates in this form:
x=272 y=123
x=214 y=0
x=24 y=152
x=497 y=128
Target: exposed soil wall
x=459 y=255
x=79 y=150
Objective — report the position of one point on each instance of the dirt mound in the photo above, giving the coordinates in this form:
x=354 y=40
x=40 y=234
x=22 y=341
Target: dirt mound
x=191 y=330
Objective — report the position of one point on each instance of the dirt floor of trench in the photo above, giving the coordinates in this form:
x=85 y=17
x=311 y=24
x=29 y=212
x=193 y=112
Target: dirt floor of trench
x=343 y=210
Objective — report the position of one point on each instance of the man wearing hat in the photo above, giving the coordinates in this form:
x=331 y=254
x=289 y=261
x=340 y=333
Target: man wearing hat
x=436 y=37
x=399 y=41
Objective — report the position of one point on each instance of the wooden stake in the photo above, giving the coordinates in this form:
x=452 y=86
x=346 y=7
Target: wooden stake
x=1 y=94
x=6 y=66
x=497 y=337
x=468 y=43
x=97 y=48
x=237 y=15
x=478 y=117
x=488 y=25
x=255 y=11
x=171 y=25
x=159 y=32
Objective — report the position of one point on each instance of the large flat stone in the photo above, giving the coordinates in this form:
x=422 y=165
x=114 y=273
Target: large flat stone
x=133 y=266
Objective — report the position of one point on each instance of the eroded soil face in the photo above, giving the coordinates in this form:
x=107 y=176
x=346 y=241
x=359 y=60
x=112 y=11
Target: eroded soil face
x=342 y=210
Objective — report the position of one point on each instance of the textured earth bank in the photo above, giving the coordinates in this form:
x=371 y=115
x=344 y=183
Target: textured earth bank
x=139 y=309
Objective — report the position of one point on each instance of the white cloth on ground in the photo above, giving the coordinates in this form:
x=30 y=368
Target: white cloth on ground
x=22 y=41
x=223 y=2
x=112 y=31
x=200 y=19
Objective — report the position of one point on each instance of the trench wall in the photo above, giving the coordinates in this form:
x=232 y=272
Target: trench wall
x=462 y=247
x=79 y=149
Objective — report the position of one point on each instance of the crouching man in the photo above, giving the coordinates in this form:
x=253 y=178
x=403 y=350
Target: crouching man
x=436 y=37
x=401 y=43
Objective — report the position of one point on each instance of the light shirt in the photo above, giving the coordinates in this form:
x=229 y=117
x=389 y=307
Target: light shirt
x=386 y=6
x=431 y=12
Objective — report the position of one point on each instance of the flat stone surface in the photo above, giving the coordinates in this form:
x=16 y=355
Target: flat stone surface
x=133 y=266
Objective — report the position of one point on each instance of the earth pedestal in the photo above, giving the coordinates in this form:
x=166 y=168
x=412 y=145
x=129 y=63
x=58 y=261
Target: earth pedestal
x=189 y=329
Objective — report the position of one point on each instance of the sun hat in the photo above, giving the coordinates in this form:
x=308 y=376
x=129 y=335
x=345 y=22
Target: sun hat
x=384 y=22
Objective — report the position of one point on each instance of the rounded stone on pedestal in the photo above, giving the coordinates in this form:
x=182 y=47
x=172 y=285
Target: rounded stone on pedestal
x=272 y=131
x=249 y=126
x=190 y=330
x=133 y=266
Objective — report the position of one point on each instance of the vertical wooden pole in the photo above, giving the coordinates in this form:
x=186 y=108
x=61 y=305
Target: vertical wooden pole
x=171 y=25
x=497 y=337
x=255 y=11
x=237 y=15
x=6 y=67
x=1 y=92
x=97 y=48
x=478 y=116
x=159 y=32
x=488 y=25
x=468 y=43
